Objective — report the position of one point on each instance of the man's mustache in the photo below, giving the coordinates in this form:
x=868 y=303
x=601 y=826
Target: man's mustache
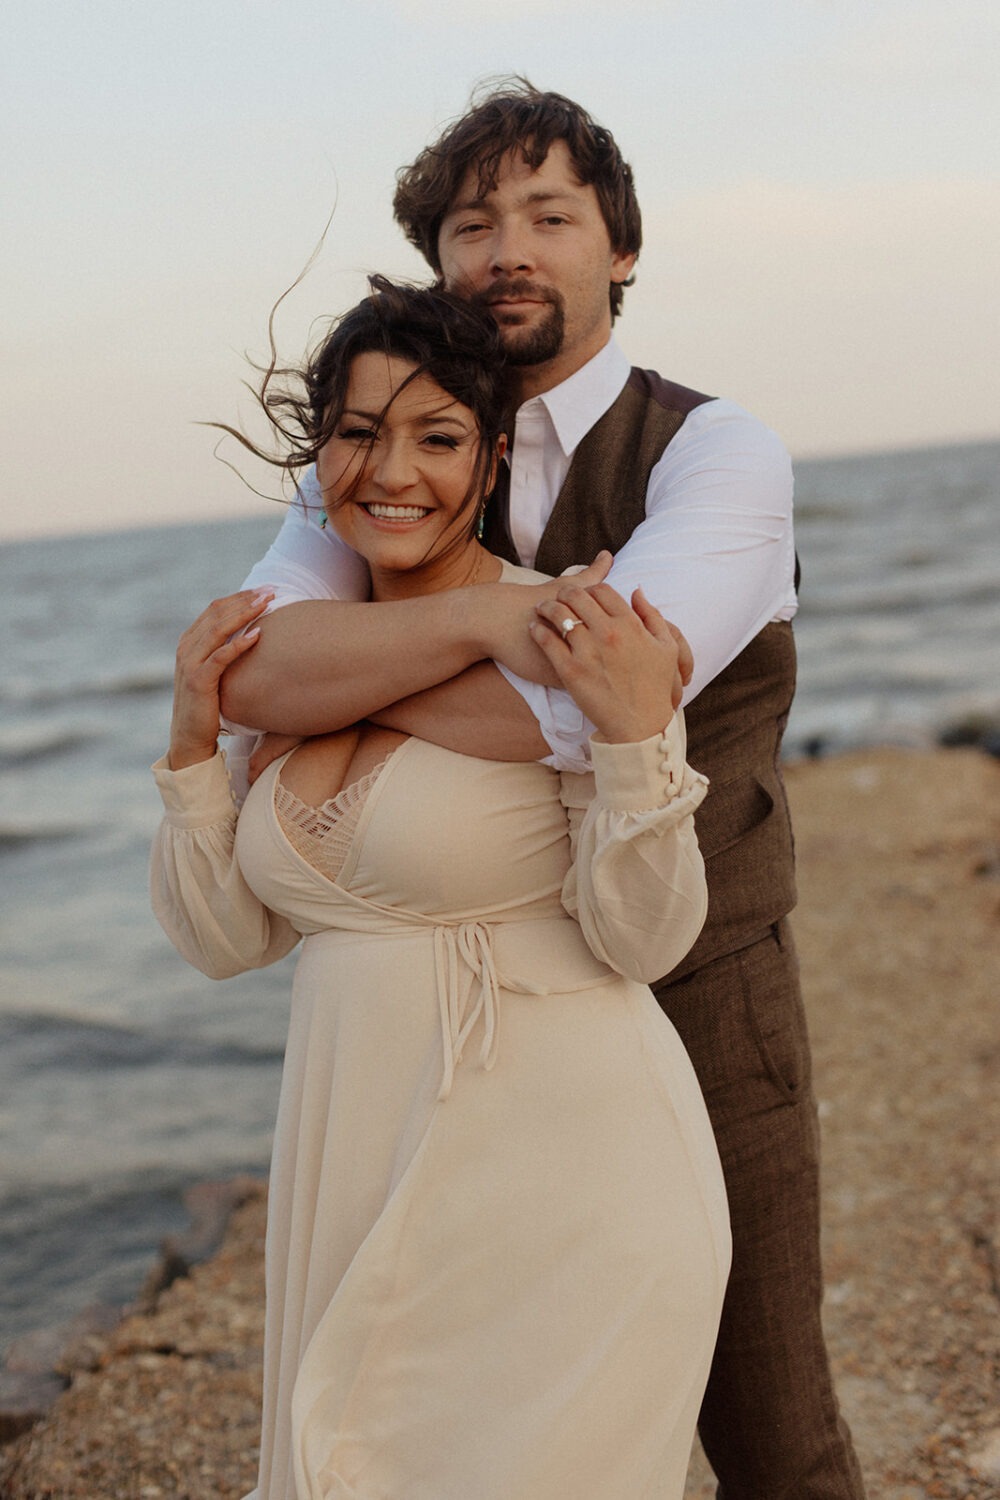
x=516 y=287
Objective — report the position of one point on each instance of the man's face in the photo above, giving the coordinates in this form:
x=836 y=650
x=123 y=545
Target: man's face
x=536 y=252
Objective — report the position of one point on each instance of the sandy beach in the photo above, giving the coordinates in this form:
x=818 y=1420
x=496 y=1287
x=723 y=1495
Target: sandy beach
x=897 y=926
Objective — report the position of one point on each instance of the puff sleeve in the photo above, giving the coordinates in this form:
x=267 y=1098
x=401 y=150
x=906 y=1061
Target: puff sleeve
x=198 y=894
x=637 y=882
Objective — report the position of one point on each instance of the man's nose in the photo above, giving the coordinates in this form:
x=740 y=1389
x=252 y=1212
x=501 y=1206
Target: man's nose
x=512 y=250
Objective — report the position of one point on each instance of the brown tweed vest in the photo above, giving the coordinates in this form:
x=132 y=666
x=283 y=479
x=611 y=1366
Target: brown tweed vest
x=735 y=724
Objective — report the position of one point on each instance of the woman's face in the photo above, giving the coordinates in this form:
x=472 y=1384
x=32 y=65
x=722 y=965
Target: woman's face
x=395 y=484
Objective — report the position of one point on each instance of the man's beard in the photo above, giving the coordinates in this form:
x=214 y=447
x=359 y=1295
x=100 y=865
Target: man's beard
x=533 y=344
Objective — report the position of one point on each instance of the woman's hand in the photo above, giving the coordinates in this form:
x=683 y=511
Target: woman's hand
x=624 y=666
x=204 y=652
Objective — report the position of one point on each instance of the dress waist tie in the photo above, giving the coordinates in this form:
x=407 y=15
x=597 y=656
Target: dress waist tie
x=464 y=954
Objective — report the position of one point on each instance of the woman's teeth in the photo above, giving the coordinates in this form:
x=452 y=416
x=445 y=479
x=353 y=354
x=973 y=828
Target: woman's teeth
x=397 y=512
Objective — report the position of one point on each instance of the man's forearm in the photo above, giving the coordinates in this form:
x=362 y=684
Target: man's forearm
x=477 y=713
x=321 y=665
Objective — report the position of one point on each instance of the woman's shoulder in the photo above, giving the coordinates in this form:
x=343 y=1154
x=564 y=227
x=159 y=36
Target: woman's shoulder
x=512 y=573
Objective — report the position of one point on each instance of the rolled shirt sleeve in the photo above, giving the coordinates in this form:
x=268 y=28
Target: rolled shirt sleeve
x=307 y=560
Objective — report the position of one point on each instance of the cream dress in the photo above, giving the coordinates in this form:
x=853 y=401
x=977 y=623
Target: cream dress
x=498 y=1239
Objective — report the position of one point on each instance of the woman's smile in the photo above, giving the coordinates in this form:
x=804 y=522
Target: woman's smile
x=400 y=477
x=395 y=513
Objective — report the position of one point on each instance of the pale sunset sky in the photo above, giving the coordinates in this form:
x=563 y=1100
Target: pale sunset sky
x=819 y=183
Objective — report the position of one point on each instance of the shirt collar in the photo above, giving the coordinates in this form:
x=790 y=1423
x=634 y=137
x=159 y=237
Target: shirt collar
x=581 y=400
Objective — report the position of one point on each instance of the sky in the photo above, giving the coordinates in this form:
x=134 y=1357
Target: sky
x=819 y=180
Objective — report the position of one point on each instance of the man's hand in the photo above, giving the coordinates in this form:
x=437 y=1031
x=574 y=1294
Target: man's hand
x=507 y=611
x=625 y=667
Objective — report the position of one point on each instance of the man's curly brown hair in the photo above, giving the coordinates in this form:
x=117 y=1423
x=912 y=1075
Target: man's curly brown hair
x=515 y=116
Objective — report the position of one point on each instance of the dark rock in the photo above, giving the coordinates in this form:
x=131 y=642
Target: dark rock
x=24 y=1399
x=981 y=731
x=65 y=1346
x=87 y=1336
x=815 y=746
x=210 y=1206
x=39 y=1365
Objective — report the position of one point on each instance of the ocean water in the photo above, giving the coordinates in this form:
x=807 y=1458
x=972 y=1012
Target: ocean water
x=125 y=1076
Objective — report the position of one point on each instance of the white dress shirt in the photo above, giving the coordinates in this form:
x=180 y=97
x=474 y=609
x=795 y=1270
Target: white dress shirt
x=715 y=553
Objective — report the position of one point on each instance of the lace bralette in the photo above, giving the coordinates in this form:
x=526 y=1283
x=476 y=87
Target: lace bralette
x=323 y=835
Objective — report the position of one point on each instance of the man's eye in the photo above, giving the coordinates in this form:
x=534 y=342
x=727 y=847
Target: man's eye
x=471 y=228
x=554 y=219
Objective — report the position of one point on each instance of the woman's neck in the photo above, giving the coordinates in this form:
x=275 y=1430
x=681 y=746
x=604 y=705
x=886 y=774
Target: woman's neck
x=458 y=570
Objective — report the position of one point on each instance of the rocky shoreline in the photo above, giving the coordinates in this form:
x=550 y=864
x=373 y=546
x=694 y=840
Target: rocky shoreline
x=899 y=872
x=41 y=1365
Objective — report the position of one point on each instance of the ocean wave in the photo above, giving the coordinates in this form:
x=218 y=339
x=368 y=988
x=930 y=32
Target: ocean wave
x=902 y=594
x=14 y=836
x=83 y=1242
x=130 y=685
x=136 y=684
x=32 y=743
x=72 y=1045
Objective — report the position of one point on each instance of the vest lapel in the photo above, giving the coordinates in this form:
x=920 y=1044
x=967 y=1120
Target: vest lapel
x=604 y=497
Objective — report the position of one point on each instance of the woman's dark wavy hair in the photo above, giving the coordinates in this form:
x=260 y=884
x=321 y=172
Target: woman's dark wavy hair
x=441 y=335
x=515 y=116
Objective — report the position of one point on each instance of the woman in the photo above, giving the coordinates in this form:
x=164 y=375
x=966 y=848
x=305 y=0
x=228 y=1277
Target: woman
x=497 y=1240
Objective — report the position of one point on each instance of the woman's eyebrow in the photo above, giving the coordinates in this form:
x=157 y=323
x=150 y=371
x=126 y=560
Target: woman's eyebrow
x=355 y=411
x=439 y=418
x=425 y=419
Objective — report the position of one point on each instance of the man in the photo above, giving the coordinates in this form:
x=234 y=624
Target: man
x=526 y=205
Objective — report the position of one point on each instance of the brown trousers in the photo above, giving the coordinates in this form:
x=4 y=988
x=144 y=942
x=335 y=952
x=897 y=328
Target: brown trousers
x=769 y=1422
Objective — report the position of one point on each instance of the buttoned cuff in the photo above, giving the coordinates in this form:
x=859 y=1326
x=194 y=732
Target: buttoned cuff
x=646 y=774
x=195 y=796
